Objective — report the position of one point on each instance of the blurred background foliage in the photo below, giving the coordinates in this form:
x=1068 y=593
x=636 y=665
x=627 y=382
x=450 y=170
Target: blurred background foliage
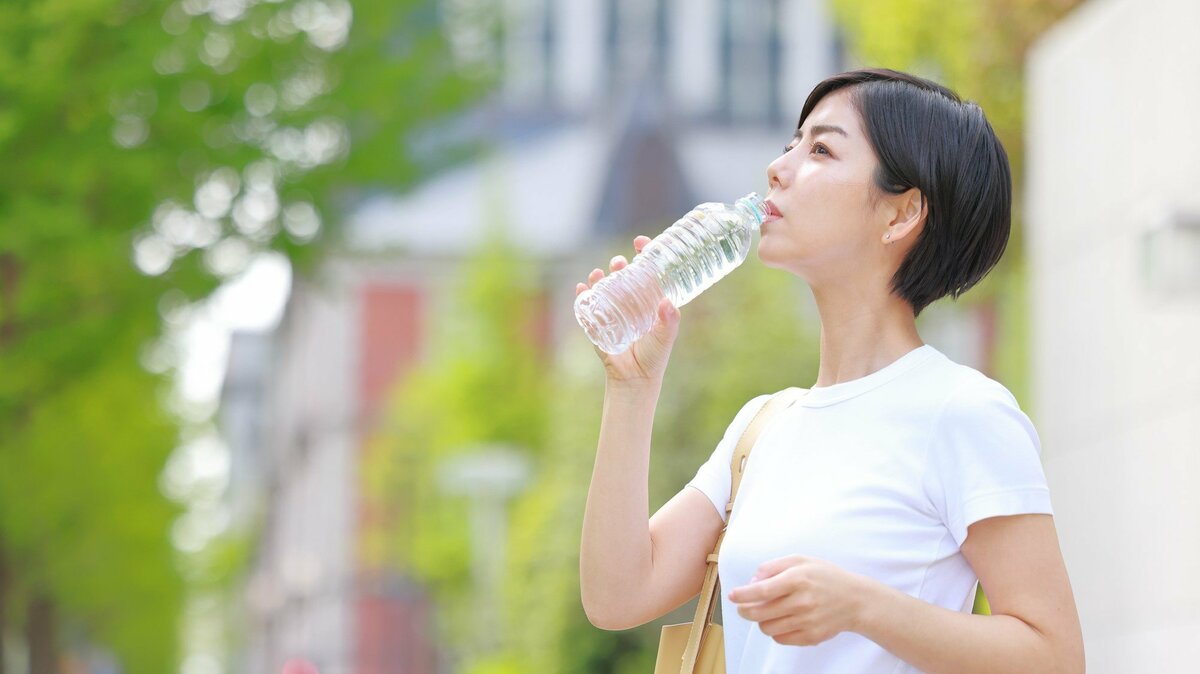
x=152 y=147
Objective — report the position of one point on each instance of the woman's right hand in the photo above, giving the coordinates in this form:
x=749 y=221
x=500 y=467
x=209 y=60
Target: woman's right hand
x=645 y=361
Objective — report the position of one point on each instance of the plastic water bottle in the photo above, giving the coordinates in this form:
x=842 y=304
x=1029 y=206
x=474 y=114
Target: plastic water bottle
x=682 y=262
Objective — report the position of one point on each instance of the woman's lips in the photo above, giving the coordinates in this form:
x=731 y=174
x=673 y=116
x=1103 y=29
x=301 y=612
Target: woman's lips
x=772 y=211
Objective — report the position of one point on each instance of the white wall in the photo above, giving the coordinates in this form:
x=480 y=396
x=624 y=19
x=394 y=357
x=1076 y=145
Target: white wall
x=1113 y=146
x=300 y=590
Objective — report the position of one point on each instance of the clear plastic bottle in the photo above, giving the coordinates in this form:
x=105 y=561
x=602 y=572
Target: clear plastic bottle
x=682 y=262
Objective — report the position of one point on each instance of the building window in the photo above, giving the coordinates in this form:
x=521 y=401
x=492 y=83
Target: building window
x=745 y=43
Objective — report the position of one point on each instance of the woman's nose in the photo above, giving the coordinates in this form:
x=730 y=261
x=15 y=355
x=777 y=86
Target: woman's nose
x=777 y=173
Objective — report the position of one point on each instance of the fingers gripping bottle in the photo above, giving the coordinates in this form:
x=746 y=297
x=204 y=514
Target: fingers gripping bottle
x=682 y=262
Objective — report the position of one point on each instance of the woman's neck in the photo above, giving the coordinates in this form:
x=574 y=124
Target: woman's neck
x=862 y=334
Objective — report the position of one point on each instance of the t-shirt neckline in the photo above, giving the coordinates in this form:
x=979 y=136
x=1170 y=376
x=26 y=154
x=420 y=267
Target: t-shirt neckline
x=822 y=396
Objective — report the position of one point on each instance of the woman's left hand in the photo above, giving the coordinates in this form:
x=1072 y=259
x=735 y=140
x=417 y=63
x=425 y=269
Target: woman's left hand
x=802 y=601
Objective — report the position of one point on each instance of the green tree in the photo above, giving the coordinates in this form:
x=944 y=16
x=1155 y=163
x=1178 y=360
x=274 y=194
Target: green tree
x=154 y=146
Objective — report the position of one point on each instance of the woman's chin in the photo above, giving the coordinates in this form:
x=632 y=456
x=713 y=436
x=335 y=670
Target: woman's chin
x=765 y=257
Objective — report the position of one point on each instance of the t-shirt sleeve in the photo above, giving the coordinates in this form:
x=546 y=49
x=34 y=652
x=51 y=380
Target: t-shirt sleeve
x=985 y=459
x=713 y=478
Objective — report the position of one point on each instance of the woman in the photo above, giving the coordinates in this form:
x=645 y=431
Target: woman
x=867 y=510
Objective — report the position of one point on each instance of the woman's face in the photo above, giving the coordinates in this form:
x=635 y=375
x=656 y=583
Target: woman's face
x=822 y=187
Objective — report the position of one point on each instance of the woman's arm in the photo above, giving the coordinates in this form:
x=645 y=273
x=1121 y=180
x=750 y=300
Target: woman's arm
x=615 y=548
x=803 y=601
x=1034 y=626
x=634 y=568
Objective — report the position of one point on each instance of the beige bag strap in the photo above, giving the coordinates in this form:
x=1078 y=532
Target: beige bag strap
x=708 y=592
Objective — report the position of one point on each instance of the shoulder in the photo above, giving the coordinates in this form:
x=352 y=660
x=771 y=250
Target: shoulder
x=975 y=394
x=981 y=415
x=963 y=390
x=747 y=413
x=963 y=400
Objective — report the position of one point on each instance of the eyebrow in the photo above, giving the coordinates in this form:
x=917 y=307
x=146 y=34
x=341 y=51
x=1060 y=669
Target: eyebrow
x=820 y=129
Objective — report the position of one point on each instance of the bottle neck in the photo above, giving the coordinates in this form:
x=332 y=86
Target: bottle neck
x=753 y=209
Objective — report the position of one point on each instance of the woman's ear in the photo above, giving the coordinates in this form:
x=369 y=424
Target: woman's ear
x=911 y=209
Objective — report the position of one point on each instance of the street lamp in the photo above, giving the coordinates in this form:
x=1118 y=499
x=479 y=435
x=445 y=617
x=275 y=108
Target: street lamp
x=488 y=475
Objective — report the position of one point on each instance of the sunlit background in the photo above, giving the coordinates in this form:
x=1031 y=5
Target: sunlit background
x=289 y=377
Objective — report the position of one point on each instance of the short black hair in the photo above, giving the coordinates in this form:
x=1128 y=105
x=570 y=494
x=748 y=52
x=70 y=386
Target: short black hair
x=927 y=137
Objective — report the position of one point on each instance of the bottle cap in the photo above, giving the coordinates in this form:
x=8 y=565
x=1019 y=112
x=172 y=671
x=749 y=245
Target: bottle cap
x=754 y=206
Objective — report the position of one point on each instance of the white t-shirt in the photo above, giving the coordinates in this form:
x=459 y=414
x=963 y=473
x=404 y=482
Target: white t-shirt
x=880 y=475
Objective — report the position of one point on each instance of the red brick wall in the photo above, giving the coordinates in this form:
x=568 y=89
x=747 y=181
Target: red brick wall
x=391 y=634
x=392 y=321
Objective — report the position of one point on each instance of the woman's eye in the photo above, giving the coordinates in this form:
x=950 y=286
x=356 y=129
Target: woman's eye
x=788 y=148
x=818 y=148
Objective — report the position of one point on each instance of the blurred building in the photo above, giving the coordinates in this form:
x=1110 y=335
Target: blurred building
x=613 y=118
x=241 y=418
x=1114 y=244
